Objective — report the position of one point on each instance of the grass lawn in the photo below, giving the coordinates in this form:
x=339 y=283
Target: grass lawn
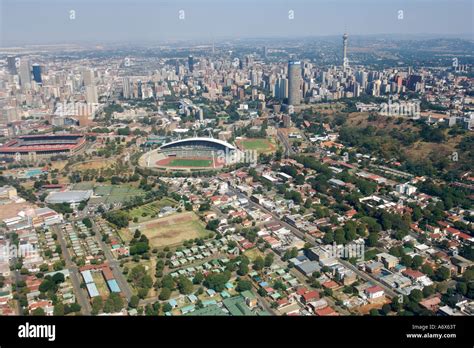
x=190 y=163
x=92 y=164
x=173 y=230
x=150 y=209
x=116 y=193
x=260 y=145
x=252 y=254
x=100 y=283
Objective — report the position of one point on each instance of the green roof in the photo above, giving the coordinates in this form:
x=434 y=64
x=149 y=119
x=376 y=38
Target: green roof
x=248 y=294
x=236 y=306
x=212 y=310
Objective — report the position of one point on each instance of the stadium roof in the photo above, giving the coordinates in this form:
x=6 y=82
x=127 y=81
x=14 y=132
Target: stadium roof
x=210 y=140
x=68 y=196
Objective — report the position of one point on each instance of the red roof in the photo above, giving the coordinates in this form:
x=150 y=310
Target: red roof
x=413 y=273
x=301 y=290
x=311 y=295
x=330 y=284
x=107 y=272
x=325 y=311
x=373 y=289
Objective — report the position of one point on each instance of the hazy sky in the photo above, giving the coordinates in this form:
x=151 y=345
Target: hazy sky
x=48 y=21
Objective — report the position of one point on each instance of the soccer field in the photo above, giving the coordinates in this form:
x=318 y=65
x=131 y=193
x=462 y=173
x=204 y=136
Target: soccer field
x=260 y=145
x=188 y=162
x=174 y=229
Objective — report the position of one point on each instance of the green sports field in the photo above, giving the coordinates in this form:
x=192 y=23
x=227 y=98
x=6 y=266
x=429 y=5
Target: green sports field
x=190 y=163
x=260 y=145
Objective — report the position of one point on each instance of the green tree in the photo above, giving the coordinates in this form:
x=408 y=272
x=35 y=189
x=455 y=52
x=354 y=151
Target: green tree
x=164 y=294
x=258 y=263
x=243 y=285
x=134 y=300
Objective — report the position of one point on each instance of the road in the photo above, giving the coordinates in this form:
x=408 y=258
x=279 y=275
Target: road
x=82 y=296
x=313 y=242
x=369 y=278
x=113 y=264
x=286 y=143
x=17 y=276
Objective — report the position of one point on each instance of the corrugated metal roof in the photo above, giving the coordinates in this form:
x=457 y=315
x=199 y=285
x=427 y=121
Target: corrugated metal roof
x=93 y=292
x=113 y=286
x=87 y=276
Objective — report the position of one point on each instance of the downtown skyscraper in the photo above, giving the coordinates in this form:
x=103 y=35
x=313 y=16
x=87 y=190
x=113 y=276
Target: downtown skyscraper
x=294 y=82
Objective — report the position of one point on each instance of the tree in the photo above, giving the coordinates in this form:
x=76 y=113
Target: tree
x=426 y=269
x=406 y=261
x=46 y=285
x=217 y=281
x=386 y=308
x=243 y=285
x=86 y=221
x=198 y=278
x=58 y=278
x=374 y=312
x=167 y=307
x=258 y=263
x=416 y=295
x=372 y=239
x=417 y=262
x=428 y=291
x=268 y=260
x=442 y=273
x=58 y=309
x=185 y=286
x=134 y=300
x=97 y=304
x=243 y=269
x=118 y=217
x=38 y=312
x=164 y=294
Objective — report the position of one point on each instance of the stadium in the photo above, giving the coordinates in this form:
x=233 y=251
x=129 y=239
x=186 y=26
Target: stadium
x=35 y=147
x=191 y=154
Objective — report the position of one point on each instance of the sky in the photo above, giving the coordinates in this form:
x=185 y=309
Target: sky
x=50 y=21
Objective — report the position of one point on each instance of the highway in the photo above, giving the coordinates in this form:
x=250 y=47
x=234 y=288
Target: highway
x=286 y=143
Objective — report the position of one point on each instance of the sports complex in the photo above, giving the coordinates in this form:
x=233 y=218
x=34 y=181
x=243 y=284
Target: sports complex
x=33 y=147
x=192 y=154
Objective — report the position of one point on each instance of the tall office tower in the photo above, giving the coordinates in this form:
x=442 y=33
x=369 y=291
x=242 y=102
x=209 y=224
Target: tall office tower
x=191 y=63
x=25 y=72
x=345 y=62
x=265 y=52
x=294 y=82
x=254 y=78
x=37 y=73
x=88 y=77
x=126 y=88
x=11 y=64
x=356 y=89
x=248 y=61
x=283 y=85
x=91 y=95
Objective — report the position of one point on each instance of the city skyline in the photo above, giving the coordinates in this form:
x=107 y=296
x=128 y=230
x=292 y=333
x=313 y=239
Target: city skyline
x=210 y=20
